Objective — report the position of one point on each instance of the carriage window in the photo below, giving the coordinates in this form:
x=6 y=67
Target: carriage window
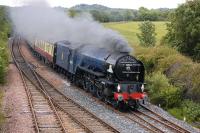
x=52 y=49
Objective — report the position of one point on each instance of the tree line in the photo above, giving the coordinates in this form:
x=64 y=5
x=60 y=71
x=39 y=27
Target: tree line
x=105 y=14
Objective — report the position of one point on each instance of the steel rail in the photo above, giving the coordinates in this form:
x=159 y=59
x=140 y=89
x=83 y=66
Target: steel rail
x=166 y=122
x=26 y=88
x=44 y=93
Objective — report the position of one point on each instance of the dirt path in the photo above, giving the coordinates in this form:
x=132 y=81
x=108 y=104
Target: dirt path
x=15 y=105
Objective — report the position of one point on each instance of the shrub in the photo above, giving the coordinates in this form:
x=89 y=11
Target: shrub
x=188 y=109
x=191 y=110
x=180 y=70
x=2 y=70
x=3 y=61
x=162 y=92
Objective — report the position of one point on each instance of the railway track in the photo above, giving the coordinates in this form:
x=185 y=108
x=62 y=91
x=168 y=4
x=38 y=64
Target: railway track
x=149 y=114
x=83 y=118
x=45 y=115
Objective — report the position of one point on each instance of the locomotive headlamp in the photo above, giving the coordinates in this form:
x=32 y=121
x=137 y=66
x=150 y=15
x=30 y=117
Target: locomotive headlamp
x=110 y=69
x=118 y=88
x=142 y=87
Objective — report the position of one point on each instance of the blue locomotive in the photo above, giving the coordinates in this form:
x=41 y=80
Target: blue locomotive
x=115 y=77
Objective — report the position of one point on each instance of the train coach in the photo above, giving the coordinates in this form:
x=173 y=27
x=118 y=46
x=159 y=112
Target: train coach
x=115 y=77
x=44 y=50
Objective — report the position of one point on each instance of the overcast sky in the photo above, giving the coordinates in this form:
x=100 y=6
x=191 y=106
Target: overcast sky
x=132 y=4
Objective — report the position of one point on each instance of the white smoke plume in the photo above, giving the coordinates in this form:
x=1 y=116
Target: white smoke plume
x=37 y=20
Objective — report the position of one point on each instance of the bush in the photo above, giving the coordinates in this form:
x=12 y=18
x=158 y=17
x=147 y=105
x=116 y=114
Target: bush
x=162 y=92
x=156 y=57
x=3 y=61
x=147 y=37
x=180 y=70
x=188 y=109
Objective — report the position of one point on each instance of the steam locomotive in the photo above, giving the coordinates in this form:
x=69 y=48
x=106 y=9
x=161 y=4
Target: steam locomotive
x=114 y=77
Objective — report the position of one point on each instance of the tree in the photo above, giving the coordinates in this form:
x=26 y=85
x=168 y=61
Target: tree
x=184 y=29
x=72 y=13
x=147 y=36
x=100 y=16
x=128 y=15
x=144 y=14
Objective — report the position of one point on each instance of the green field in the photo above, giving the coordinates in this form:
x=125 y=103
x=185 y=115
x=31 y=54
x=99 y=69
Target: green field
x=130 y=29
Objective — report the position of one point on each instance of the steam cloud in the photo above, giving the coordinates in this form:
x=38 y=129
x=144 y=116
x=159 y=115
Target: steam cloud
x=37 y=20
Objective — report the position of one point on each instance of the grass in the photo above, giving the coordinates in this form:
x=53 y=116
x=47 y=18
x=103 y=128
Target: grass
x=130 y=29
x=178 y=112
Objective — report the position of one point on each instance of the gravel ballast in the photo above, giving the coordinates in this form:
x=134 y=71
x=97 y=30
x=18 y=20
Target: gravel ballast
x=15 y=105
x=117 y=121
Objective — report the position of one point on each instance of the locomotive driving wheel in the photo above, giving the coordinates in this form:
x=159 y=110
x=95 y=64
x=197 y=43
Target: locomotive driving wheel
x=92 y=89
x=99 y=93
x=86 y=85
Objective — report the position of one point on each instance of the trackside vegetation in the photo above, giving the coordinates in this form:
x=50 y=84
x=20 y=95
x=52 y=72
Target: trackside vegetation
x=4 y=30
x=172 y=79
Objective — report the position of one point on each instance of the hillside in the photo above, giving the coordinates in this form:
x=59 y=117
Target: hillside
x=106 y=14
x=85 y=7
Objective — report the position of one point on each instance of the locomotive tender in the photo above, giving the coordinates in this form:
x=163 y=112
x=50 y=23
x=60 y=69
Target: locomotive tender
x=117 y=78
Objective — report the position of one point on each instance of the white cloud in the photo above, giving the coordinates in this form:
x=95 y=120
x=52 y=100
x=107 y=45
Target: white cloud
x=132 y=4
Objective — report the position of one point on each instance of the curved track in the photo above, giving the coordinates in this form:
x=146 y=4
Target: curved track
x=85 y=119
